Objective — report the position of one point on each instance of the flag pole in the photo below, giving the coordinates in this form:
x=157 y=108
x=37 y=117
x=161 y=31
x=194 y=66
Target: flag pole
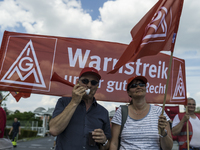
x=168 y=76
x=5 y=97
x=188 y=144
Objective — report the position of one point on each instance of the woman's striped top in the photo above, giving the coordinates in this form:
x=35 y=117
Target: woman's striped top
x=140 y=134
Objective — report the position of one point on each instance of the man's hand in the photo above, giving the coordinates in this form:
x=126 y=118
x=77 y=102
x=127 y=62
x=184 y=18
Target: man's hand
x=19 y=133
x=99 y=136
x=77 y=93
x=186 y=117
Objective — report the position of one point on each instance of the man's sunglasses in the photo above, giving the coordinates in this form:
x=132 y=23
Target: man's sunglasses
x=86 y=81
x=135 y=85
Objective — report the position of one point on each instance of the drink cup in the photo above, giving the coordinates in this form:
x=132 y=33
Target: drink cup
x=91 y=140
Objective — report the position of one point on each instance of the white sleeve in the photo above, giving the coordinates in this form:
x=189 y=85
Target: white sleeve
x=175 y=121
x=117 y=119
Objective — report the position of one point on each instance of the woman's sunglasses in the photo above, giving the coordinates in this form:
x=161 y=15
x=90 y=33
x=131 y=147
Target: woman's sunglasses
x=86 y=81
x=135 y=85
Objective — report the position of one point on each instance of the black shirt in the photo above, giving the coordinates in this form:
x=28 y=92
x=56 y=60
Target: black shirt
x=16 y=126
x=75 y=136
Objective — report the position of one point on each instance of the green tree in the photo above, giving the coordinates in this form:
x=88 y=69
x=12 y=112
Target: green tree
x=3 y=105
x=198 y=110
x=25 y=116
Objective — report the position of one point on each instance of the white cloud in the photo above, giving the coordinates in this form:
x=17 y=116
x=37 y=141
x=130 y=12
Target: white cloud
x=48 y=101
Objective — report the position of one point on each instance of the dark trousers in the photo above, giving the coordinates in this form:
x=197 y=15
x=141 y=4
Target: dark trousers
x=14 y=135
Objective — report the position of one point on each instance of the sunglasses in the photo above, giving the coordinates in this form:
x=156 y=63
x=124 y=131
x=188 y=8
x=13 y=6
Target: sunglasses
x=191 y=104
x=135 y=85
x=86 y=81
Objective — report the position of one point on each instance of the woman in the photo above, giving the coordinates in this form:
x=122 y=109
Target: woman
x=140 y=130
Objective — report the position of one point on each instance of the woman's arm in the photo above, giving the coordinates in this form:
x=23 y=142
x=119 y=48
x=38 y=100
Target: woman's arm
x=165 y=139
x=115 y=137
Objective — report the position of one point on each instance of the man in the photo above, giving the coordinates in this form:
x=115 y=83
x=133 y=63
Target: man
x=16 y=129
x=74 y=117
x=179 y=127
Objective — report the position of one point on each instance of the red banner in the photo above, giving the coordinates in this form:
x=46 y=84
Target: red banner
x=28 y=62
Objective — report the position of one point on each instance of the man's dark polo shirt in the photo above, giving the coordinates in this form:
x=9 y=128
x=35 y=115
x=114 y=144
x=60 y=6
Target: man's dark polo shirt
x=16 y=126
x=75 y=136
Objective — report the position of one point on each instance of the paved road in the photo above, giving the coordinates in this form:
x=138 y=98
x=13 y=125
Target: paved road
x=46 y=143
x=40 y=144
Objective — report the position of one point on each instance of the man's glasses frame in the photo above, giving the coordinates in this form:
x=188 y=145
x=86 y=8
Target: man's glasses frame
x=86 y=81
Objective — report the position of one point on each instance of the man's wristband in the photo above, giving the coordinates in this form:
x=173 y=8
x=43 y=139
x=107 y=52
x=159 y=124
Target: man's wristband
x=164 y=134
x=105 y=143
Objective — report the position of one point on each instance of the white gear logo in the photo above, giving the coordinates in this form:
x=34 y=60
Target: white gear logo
x=179 y=92
x=29 y=68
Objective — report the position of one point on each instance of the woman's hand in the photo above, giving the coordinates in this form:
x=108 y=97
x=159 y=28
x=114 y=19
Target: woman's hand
x=162 y=123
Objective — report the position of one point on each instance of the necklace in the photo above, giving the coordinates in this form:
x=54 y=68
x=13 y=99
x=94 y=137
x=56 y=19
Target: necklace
x=141 y=112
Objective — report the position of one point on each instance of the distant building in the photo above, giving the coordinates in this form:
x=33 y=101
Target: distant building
x=45 y=116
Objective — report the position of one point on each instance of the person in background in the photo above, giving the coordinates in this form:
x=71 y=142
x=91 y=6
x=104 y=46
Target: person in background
x=16 y=129
x=5 y=144
x=179 y=127
x=74 y=118
x=140 y=130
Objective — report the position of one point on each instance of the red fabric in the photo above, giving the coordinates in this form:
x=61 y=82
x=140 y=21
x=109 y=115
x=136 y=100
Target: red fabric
x=2 y=121
x=155 y=32
x=184 y=129
x=172 y=111
x=28 y=62
x=18 y=95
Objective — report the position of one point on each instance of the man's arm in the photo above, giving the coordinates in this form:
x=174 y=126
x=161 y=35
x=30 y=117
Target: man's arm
x=19 y=130
x=177 y=129
x=101 y=138
x=10 y=130
x=60 y=122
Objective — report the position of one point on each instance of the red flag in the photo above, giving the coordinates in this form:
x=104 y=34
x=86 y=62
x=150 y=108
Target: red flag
x=18 y=95
x=155 y=32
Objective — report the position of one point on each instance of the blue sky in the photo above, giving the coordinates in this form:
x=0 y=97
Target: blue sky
x=98 y=20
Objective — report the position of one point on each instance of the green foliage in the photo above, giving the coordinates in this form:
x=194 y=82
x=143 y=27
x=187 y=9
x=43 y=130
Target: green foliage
x=3 y=105
x=198 y=110
x=25 y=116
x=24 y=133
x=4 y=93
x=28 y=125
